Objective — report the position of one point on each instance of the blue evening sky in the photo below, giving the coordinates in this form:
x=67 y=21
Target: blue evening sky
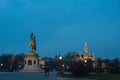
x=61 y=26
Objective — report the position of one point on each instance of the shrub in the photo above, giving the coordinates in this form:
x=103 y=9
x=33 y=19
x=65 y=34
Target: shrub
x=114 y=70
x=77 y=68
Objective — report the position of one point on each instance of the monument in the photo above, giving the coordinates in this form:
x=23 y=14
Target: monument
x=32 y=58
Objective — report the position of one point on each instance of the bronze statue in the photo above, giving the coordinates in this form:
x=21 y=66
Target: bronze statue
x=33 y=42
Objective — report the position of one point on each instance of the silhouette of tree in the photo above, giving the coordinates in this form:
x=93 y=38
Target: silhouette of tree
x=115 y=66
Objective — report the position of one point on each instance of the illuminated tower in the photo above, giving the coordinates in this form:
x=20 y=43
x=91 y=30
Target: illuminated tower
x=86 y=54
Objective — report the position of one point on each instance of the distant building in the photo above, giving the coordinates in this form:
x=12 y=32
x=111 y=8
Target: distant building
x=86 y=56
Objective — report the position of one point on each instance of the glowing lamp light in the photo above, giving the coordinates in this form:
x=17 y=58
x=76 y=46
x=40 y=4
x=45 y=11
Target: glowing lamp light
x=60 y=57
x=85 y=61
x=1 y=64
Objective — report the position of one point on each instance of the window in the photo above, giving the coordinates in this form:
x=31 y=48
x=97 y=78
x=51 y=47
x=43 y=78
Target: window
x=34 y=62
x=29 y=62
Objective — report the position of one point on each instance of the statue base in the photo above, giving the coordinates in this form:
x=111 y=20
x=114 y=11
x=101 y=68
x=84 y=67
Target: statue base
x=32 y=63
x=32 y=70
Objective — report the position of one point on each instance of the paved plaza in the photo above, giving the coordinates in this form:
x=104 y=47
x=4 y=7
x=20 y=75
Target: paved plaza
x=33 y=76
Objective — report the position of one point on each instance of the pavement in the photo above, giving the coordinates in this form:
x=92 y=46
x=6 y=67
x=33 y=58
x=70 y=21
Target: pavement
x=34 y=76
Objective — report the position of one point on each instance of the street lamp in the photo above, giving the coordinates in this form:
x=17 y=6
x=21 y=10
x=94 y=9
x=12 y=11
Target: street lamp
x=63 y=66
x=85 y=61
x=1 y=64
x=60 y=57
x=60 y=64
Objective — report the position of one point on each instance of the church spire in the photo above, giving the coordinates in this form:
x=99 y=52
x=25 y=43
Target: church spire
x=80 y=54
x=85 y=44
x=86 y=50
x=93 y=54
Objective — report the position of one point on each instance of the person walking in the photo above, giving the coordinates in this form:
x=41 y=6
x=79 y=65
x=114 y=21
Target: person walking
x=46 y=70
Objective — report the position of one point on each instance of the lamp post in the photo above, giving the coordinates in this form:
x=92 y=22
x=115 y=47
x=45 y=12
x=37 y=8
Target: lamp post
x=60 y=57
x=1 y=64
x=85 y=63
x=60 y=64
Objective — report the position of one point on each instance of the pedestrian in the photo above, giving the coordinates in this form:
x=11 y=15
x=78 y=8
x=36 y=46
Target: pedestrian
x=46 y=71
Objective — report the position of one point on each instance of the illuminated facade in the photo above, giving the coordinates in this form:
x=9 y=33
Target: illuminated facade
x=32 y=63
x=86 y=56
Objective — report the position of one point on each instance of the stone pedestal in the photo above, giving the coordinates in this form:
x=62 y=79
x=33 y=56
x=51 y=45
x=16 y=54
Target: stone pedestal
x=32 y=63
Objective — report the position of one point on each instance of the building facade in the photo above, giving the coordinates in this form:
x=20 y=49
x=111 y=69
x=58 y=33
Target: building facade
x=85 y=56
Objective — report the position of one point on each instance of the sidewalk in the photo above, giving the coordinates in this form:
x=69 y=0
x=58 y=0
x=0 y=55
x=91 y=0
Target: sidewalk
x=33 y=76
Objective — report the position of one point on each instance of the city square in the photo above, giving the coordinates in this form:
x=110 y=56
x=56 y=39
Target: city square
x=34 y=76
x=59 y=40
